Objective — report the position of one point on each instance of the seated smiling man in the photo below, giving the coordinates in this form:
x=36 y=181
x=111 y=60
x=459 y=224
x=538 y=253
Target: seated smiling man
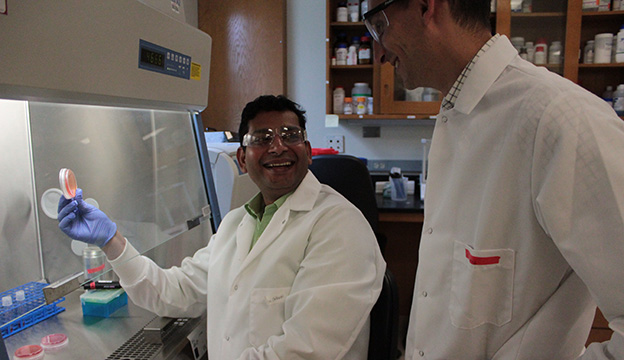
x=292 y=274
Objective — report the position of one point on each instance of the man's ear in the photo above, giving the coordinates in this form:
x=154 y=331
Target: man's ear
x=240 y=157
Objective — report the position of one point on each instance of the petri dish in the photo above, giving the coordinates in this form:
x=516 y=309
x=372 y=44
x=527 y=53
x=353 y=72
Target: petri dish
x=54 y=342
x=68 y=183
x=29 y=352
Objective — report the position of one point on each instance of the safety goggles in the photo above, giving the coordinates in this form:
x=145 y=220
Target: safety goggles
x=290 y=135
x=376 y=20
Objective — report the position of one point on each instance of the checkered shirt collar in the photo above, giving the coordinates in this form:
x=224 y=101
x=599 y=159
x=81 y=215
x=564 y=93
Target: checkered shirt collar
x=449 y=100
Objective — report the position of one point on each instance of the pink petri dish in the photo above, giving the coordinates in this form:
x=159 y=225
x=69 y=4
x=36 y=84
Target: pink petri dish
x=68 y=183
x=54 y=342
x=29 y=352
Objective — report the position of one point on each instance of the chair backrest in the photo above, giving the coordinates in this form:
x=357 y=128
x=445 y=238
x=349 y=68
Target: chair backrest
x=350 y=177
x=384 y=329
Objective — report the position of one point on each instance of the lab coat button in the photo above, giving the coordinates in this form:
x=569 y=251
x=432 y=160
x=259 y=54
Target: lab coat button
x=430 y=231
x=421 y=353
x=444 y=118
x=424 y=294
x=235 y=287
x=227 y=338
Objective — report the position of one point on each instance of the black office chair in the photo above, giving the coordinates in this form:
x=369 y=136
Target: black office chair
x=350 y=177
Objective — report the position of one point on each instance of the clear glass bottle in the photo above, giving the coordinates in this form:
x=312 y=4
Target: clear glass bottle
x=347 y=106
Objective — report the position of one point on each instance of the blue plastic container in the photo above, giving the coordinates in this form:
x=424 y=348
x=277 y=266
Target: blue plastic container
x=102 y=303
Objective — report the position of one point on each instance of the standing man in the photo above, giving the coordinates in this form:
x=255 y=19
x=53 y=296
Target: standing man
x=292 y=274
x=524 y=210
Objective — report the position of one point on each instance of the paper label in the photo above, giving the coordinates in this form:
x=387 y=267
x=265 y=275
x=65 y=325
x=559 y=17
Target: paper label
x=195 y=71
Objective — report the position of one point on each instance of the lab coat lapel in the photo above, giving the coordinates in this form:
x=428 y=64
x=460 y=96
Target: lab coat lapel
x=302 y=199
x=244 y=235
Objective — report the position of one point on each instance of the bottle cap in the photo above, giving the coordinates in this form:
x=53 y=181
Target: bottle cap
x=68 y=183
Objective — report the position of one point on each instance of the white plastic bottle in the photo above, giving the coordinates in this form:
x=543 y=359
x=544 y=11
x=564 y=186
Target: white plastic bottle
x=352 y=52
x=353 y=7
x=619 y=50
x=554 y=53
x=339 y=95
x=618 y=100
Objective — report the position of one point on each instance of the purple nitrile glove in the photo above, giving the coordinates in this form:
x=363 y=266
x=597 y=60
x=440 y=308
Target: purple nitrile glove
x=84 y=222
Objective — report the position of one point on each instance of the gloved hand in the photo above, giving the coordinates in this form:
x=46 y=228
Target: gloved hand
x=84 y=222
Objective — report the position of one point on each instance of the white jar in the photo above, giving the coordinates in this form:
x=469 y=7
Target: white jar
x=541 y=53
x=360 y=89
x=354 y=10
x=554 y=53
x=342 y=13
x=339 y=95
x=603 y=44
x=619 y=48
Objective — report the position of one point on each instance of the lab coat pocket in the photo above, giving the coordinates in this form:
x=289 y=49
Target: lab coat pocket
x=481 y=287
x=266 y=313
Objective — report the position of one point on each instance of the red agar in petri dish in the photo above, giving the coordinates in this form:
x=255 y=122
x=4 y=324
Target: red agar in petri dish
x=54 y=342
x=68 y=183
x=30 y=352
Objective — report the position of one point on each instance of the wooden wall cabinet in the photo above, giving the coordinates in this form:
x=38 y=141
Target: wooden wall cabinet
x=561 y=20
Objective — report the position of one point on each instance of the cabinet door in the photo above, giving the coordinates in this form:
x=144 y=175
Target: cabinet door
x=396 y=99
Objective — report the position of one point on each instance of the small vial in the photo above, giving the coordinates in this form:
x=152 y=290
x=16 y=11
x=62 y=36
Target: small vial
x=7 y=301
x=19 y=295
x=347 y=106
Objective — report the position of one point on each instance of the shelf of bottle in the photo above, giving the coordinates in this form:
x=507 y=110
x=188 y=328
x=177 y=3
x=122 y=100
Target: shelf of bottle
x=537 y=15
x=587 y=14
x=351 y=67
x=386 y=117
x=346 y=23
x=607 y=65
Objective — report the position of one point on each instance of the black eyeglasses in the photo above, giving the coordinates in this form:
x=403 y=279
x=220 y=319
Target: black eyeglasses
x=290 y=135
x=376 y=20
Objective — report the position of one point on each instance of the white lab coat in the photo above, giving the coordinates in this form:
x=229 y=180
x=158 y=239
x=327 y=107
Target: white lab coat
x=524 y=220
x=304 y=291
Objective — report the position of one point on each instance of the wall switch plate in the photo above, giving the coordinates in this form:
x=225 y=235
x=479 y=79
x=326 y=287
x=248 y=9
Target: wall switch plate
x=335 y=142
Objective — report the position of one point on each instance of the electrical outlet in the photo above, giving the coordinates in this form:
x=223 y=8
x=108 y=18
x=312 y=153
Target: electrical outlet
x=335 y=142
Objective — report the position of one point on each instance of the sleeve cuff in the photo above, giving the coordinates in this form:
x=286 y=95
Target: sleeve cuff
x=129 y=265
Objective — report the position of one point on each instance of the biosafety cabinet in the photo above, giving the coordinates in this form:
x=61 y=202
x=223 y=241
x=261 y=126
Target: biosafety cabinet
x=112 y=90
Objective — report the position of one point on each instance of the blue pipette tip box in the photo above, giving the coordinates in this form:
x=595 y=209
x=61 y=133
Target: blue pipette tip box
x=102 y=302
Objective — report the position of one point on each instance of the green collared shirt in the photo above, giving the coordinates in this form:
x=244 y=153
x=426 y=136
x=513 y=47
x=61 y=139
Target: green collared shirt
x=263 y=214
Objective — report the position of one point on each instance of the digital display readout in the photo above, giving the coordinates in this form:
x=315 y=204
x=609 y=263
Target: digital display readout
x=152 y=58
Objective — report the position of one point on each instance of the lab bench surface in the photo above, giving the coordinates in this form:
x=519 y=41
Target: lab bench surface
x=89 y=337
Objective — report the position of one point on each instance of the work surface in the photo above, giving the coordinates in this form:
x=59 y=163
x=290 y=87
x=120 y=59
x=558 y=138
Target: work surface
x=89 y=337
